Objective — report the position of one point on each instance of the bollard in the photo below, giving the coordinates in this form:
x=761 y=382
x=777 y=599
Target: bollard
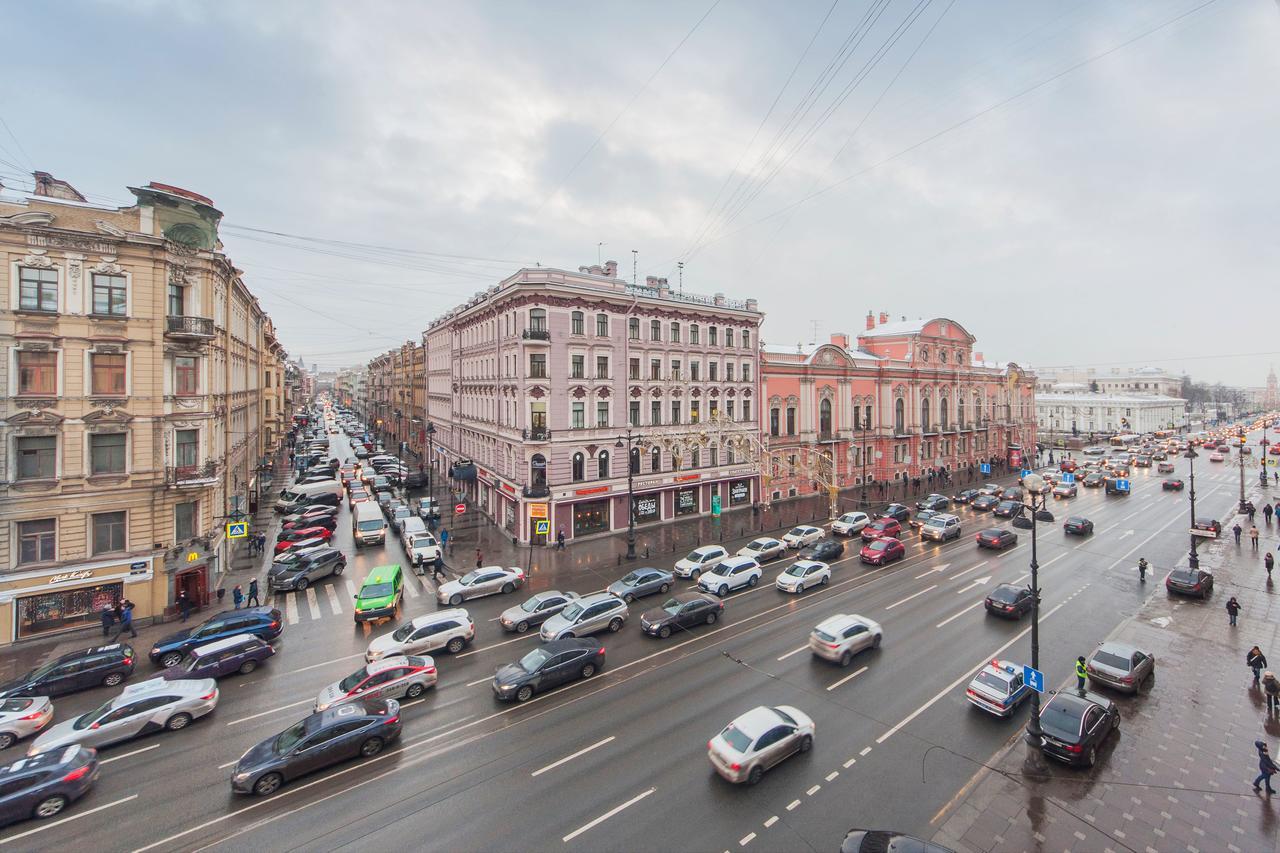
x=646 y=552
x=619 y=559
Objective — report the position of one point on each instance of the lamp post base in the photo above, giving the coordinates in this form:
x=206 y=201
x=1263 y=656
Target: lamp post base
x=1033 y=762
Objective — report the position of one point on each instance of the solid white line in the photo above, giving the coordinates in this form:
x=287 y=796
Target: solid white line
x=909 y=597
x=770 y=822
x=272 y=711
x=291 y=607
x=793 y=652
x=313 y=603
x=955 y=616
x=613 y=811
x=479 y=681
x=127 y=754
x=332 y=595
x=971 y=568
x=847 y=678
x=75 y=816
x=582 y=751
x=746 y=839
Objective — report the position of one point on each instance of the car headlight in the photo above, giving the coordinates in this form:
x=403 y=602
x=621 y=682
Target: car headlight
x=241 y=777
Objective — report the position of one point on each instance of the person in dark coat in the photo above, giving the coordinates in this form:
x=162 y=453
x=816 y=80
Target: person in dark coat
x=237 y=596
x=1267 y=767
x=108 y=619
x=126 y=621
x=1257 y=662
x=253 y=594
x=1271 y=685
x=184 y=605
x=1233 y=609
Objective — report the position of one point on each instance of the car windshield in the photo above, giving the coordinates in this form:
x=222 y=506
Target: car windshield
x=759 y=545
x=370 y=524
x=990 y=679
x=850 y=517
x=86 y=720
x=469 y=578
x=1114 y=661
x=423 y=542
x=533 y=660
x=671 y=605
x=823 y=635
x=736 y=739
x=41 y=671
x=376 y=590
x=878 y=545
x=402 y=633
x=695 y=557
x=1183 y=577
x=798 y=531
x=353 y=680
x=796 y=570
x=630 y=578
x=1004 y=594
x=1076 y=519
x=571 y=612
x=1060 y=721
x=531 y=605
x=290 y=737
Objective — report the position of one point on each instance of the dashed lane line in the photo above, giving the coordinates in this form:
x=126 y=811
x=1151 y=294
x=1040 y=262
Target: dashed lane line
x=849 y=677
x=771 y=821
x=791 y=806
x=832 y=775
x=794 y=652
x=815 y=789
x=746 y=839
x=913 y=595
x=849 y=763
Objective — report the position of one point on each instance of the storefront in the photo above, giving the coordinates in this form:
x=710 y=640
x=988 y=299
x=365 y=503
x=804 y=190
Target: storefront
x=647 y=508
x=590 y=517
x=686 y=500
x=41 y=603
x=739 y=492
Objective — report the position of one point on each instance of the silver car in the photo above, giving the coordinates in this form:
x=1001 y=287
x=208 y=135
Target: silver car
x=535 y=610
x=640 y=583
x=801 y=535
x=394 y=677
x=1120 y=666
x=700 y=560
x=765 y=548
x=758 y=740
x=450 y=630
x=840 y=637
x=140 y=709
x=588 y=615
x=23 y=716
x=488 y=580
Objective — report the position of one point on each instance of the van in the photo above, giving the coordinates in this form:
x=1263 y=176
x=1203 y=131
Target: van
x=368 y=527
x=379 y=595
x=291 y=499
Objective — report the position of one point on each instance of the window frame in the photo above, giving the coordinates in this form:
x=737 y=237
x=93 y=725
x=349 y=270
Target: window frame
x=111 y=291
x=20 y=456
x=41 y=286
x=19 y=355
x=123 y=467
x=23 y=536
x=108 y=375
x=115 y=526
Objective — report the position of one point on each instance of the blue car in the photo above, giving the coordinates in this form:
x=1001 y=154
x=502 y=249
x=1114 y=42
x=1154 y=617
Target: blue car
x=43 y=785
x=265 y=623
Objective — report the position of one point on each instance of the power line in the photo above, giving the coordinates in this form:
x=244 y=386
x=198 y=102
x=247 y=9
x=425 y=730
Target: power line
x=22 y=150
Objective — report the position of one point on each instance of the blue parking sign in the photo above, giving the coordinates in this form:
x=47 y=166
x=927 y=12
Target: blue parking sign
x=985 y=467
x=1068 y=477
x=1122 y=485
x=1033 y=678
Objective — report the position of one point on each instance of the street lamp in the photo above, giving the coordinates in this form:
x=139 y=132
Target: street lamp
x=1193 y=559
x=1240 y=459
x=1036 y=498
x=431 y=458
x=631 y=497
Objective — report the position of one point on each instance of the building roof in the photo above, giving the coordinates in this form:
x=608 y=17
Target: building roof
x=886 y=330
x=1108 y=399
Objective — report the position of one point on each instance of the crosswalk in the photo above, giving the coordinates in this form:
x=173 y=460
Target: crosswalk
x=336 y=596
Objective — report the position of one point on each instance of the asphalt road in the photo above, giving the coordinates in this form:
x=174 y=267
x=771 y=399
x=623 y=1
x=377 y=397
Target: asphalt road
x=619 y=762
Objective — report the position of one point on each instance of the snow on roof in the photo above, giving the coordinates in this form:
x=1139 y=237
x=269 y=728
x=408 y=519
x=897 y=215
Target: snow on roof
x=885 y=330
x=1108 y=399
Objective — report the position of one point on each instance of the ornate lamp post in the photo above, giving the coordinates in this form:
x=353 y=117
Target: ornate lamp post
x=1036 y=497
x=1240 y=459
x=431 y=458
x=631 y=495
x=1193 y=559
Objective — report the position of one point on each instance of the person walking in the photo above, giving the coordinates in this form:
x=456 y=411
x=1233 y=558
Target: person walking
x=479 y=558
x=253 y=594
x=237 y=596
x=1271 y=685
x=184 y=605
x=1081 y=673
x=1257 y=662
x=108 y=619
x=1233 y=609
x=1237 y=530
x=444 y=538
x=126 y=621
x=1266 y=512
x=560 y=539
x=1267 y=768
x=1253 y=537
x=1269 y=562
x=437 y=569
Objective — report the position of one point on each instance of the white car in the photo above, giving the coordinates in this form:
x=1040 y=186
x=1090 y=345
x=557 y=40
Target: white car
x=802 y=575
x=838 y=638
x=759 y=739
x=700 y=560
x=850 y=524
x=23 y=716
x=487 y=580
x=423 y=550
x=803 y=535
x=732 y=573
x=140 y=709
x=450 y=630
x=763 y=549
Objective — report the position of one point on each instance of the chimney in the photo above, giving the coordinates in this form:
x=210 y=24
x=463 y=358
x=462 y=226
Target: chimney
x=871 y=321
x=49 y=186
x=611 y=269
x=884 y=317
x=977 y=356
x=840 y=339
x=651 y=281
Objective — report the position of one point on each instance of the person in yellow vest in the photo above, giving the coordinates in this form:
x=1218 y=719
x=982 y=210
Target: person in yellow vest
x=1081 y=672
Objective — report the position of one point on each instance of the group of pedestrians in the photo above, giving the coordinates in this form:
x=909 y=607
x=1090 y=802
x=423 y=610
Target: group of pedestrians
x=241 y=600
x=120 y=614
x=257 y=544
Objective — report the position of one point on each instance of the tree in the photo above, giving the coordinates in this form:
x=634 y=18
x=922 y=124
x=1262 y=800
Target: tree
x=1093 y=386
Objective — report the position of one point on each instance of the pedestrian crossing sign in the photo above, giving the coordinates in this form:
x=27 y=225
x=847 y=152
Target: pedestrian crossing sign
x=542 y=528
x=237 y=529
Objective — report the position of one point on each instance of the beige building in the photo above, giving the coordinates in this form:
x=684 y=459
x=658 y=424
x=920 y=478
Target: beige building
x=136 y=420
x=397 y=387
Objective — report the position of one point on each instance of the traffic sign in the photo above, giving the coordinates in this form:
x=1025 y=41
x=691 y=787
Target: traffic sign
x=1026 y=472
x=542 y=528
x=237 y=529
x=1034 y=678
x=1122 y=485
x=985 y=467
x=1068 y=478
x=459 y=509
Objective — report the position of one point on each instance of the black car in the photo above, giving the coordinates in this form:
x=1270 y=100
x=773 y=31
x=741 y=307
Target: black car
x=824 y=551
x=105 y=666
x=983 y=503
x=681 y=611
x=1195 y=582
x=1075 y=725
x=882 y=841
x=935 y=502
x=967 y=496
x=263 y=622
x=1007 y=509
x=43 y=785
x=1078 y=525
x=312 y=565
x=414 y=480
x=361 y=728
x=328 y=521
x=310 y=513
x=1094 y=480
x=994 y=537
x=1010 y=600
x=1013 y=493
x=550 y=665
x=898 y=512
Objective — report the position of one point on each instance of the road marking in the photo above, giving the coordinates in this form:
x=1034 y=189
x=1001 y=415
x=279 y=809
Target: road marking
x=567 y=758
x=847 y=678
x=850 y=763
x=770 y=822
x=792 y=805
x=272 y=711
x=530 y=636
x=75 y=816
x=479 y=681
x=351 y=588
x=327 y=662
x=941 y=568
x=127 y=754
x=334 y=604
x=833 y=774
x=313 y=603
x=291 y=607
x=972 y=568
x=974 y=584
x=815 y=789
x=914 y=595
x=411 y=588
x=864 y=751
x=746 y=839
x=613 y=811
x=955 y=616
x=794 y=652
x=228 y=764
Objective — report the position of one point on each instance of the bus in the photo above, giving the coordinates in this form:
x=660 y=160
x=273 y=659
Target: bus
x=1127 y=440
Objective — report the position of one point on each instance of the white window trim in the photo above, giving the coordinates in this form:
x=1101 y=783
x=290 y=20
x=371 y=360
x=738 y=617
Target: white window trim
x=86 y=450
x=128 y=294
x=14 y=533
x=88 y=373
x=13 y=371
x=172 y=454
x=15 y=285
x=13 y=455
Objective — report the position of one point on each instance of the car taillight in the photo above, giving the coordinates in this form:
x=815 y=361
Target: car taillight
x=832 y=645
x=389 y=720
x=128 y=661
x=971 y=692
x=1074 y=747
x=206 y=697
x=429 y=670
x=78 y=773
x=275 y=623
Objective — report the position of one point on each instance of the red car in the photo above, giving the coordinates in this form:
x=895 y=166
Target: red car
x=1275 y=450
x=883 y=550
x=1172 y=485
x=1068 y=465
x=286 y=538
x=881 y=527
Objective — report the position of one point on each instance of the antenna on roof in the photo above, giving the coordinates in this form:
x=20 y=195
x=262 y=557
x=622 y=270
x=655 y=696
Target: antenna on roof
x=680 y=277
x=813 y=331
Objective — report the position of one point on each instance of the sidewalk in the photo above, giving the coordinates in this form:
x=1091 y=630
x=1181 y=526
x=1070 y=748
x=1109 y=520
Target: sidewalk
x=1179 y=776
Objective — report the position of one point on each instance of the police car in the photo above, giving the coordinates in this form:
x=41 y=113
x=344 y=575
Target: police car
x=998 y=688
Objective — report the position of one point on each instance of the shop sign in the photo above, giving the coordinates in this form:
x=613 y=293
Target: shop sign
x=645 y=507
x=686 y=501
x=71 y=576
x=739 y=491
x=688 y=477
x=537 y=510
x=140 y=566
x=596 y=490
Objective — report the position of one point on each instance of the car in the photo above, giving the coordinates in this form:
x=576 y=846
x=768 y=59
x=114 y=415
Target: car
x=397 y=515
x=1164 y=468
x=922 y=517
x=1172 y=484
x=994 y=537
x=148 y=706
x=356 y=496
x=1120 y=666
x=732 y=573
x=1078 y=524
x=392 y=677
x=384 y=500
x=487 y=580
x=1275 y=448
x=1209 y=528
x=941 y=527
x=361 y=452
x=423 y=549
x=1094 y=451
x=838 y=638
x=681 y=611
x=641 y=582
x=1216 y=457
x=1143 y=461
x=42 y=786
x=329 y=521
x=699 y=560
x=1195 y=582
x=984 y=503
x=288 y=539
x=966 y=496
x=1067 y=465
x=96 y=666
x=801 y=535
x=21 y=717
x=758 y=740
x=850 y=523
x=319 y=511
x=1064 y=490
x=451 y=630
x=1160 y=456
x=1118 y=485
x=1075 y=724
x=1008 y=509
x=882 y=551
x=765 y=548
x=590 y=614
x=992 y=489
x=311 y=565
x=428 y=509
x=535 y=610
x=360 y=728
x=897 y=512
x=824 y=551
x=998 y=688
x=802 y=575
x=935 y=502
x=881 y=528
x=1009 y=600
x=240 y=654
x=550 y=665
x=1094 y=480
x=859 y=840
x=1246 y=450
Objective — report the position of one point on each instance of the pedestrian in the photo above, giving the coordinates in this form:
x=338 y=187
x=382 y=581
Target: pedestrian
x=108 y=619
x=1270 y=562
x=1233 y=609
x=1266 y=512
x=479 y=558
x=1081 y=672
x=1253 y=537
x=118 y=610
x=1272 y=687
x=184 y=604
x=1257 y=662
x=1268 y=769
x=253 y=594
x=1237 y=530
x=437 y=569
x=444 y=538
x=126 y=621
x=237 y=596
x=1252 y=512
x=1275 y=477
x=560 y=539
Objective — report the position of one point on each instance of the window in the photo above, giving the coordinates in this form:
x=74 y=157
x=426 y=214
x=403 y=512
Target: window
x=578 y=416
x=942 y=356
x=635 y=460
x=633 y=413
x=538 y=365
x=728 y=371
x=184 y=521
x=108 y=532
x=107 y=453
x=602 y=367
x=184 y=376
x=675 y=333
x=577 y=368
x=602 y=465
x=186 y=446
x=866 y=418
x=38 y=290
x=712 y=335
x=695 y=370
x=107 y=372
x=693 y=333
x=824 y=417
x=655 y=368
x=675 y=368
x=713 y=371
x=177 y=300
x=633 y=328
x=899 y=417
x=577 y=323
x=655 y=330
x=655 y=412
x=960 y=411
x=791 y=420
x=37 y=373
x=746 y=339
x=602 y=414
x=746 y=371
x=655 y=459
x=602 y=325
x=943 y=412
x=695 y=458
x=924 y=415
x=36 y=541
x=675 y=411
x=37 y=457
x=728 y=337
x=695 y=411
x=775 y=415
x=110 y=296
x=633 y=368
x=577 y=467
x=537 y=319
x=729 y=409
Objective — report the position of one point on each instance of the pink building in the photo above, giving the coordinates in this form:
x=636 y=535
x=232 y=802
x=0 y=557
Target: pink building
x=549 y=391
x=911 y=398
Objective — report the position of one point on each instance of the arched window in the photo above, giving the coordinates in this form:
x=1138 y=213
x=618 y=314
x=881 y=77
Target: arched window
x=960 y=410
x=577 y=473
x=538 y=471
x=538 y=319
x=924 y=354
x=577 y=323
x=602 y=463
x=655 y=459
x=899 y=417
x=942 y=412
x=866 y=417
x=942 y=356
x=635 y=460
x=824 y=417
x=924 y=415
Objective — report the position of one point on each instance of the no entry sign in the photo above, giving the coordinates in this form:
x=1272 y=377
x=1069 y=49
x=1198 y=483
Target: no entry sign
x=459 y=509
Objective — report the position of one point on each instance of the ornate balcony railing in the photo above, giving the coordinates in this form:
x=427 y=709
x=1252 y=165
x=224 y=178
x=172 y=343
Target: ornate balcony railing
x=188 y=327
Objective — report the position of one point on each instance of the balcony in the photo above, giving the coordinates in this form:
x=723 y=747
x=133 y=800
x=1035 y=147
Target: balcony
x=829 y=437
x=188 y=328
x=536 y=491
x=186 y=476
x=535 y=434
x=543 y=335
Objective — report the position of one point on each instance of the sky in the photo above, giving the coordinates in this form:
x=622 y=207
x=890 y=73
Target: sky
x=1086 y=184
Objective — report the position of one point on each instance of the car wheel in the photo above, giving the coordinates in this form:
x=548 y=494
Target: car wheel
x=663 y=632
x=752 y=581
x=711 y=618
x=755 y=775
x=845 y=658
x=337 y=570
x=799 y=588
x=455 y=599
x=507 y=587
x=303 y=583
x=248 y=667
x=1092 y=757
x=722 y=591
x=695 y=574
x=664 y=587
x=875 y=644
x=825 y=579
x=49 y=807
x=521 y=627
x=588 y=670
x=806 y=743
x=415 y=690
x=455 y=645
x=628 y=598
x=268 y=784
x=7 y=740
x=567 y=635
x=113 y=679
x=371 y=747
x=178 y=722
x=170 y=659
x=615 y=624
x=524 y=694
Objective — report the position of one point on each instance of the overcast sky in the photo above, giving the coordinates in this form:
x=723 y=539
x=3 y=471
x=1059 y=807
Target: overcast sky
x=1122 y=210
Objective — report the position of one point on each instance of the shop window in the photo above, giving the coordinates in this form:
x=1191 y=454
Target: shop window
x=110 y=295
x=37 y=373
x=107 y=374
x=65 y=609
x=38 y=290
x=37 y=457
x=108 y=532
x=37 y=541
x=590 y=517
x=107 y=453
